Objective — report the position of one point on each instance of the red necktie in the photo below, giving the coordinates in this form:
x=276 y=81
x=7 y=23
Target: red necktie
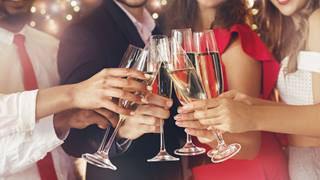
x=45 y=166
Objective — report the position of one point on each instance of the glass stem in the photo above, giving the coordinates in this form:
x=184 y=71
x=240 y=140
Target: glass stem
x=189 y=139
x=162 y=141
x=221 y=142
x=107 y=148
x=102 y=145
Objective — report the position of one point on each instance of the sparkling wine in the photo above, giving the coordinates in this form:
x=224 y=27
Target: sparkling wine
x=208 y=68
x=164 y=82
x=131 y=105
x=187 y=85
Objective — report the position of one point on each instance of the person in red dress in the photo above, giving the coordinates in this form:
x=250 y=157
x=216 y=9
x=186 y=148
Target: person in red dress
x=248 y=67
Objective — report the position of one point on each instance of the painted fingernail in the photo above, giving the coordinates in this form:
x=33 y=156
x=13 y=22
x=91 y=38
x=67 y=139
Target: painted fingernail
x=149 y=88
x=144 y=100
x=177 y=117
x=178 y=123
x=179 y=110
x=147 y=76
x=187 y=107
x=169 y=103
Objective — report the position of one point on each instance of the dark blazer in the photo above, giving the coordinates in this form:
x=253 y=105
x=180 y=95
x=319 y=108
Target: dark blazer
x=98 y=41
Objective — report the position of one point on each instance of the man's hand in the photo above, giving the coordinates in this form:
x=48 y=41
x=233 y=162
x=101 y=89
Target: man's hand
x=81 y=119
x=146 y=118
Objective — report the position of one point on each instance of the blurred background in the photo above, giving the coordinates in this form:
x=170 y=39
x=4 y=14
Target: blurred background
x=52 y=16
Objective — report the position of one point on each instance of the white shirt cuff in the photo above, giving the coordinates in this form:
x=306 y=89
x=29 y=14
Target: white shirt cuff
x=27 y=109
x=46 y=133
x=17 y=112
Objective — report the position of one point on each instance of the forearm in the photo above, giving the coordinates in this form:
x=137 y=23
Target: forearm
x=298 y=120
x=264 y=102
x=53 y=100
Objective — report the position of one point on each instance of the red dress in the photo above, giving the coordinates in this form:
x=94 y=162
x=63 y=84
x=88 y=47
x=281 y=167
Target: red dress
x=270 y=163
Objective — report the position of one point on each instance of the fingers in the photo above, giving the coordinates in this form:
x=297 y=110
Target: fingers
x=157 y=100
x=83 y=118
x=109 y=105
x=124 y=72
x=148 y=129
x=206 y=114
x=146 y=120
x=199 y=105
x=185 y=117
x=136 y=126
x=110 y=116
x=212 y=122
x=191 y=124
x=127 y=83
x=230 y=94
x=121 y=94
x=237 y=96
x=154 y=111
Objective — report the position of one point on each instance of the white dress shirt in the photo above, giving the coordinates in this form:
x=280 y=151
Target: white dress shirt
x=16 y=116
x=19 y=152
x=144 y=27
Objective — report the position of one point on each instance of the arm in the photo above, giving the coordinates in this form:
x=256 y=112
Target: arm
x=247 y=114
x=244 y=74
x=15 y=114
x=79 y=58
x=291 y=116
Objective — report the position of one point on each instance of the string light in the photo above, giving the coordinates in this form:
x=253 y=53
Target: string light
x=69 y=17
x=33 y=9
x=50 y=14
x=74 y=3
x=43 y=11
x=33 y=24
x=155 y=15
x=164 y=2
x=53 y=15
x=76 y=9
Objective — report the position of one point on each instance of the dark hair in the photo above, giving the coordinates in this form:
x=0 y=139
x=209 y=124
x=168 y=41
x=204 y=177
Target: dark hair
x=279 y=31
x=183 y=14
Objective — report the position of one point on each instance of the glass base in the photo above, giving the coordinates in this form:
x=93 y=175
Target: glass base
x=189 y=149
x=163 y=156
x=224 y=153
x=99 y=159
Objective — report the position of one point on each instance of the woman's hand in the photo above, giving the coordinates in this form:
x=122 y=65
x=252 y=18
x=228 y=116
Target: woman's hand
x=99 y=91
x=238 y=96
x=220 y=113
x=146 y=118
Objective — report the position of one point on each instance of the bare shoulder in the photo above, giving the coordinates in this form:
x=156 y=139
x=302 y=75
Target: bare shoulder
x=236 y=55
x=314 y=35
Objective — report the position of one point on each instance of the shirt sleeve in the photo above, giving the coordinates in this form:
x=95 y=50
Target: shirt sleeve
x=17 y=112
x=21 y=150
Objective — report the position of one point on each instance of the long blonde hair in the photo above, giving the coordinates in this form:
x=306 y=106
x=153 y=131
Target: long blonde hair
x=284 y=38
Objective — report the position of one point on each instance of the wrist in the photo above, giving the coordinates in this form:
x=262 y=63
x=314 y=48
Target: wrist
x=254 y=118
x=61 y=126
x=72 y=93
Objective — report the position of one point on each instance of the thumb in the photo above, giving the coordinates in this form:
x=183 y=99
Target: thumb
x=230 y=94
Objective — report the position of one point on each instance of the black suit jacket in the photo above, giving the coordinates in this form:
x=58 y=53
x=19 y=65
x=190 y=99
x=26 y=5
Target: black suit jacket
x=96 y=42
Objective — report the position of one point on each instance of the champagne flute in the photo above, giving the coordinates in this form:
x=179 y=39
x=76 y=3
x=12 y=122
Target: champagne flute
x=159 y=49
x=135 y=58
x=209 y=68
x=187 y=86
